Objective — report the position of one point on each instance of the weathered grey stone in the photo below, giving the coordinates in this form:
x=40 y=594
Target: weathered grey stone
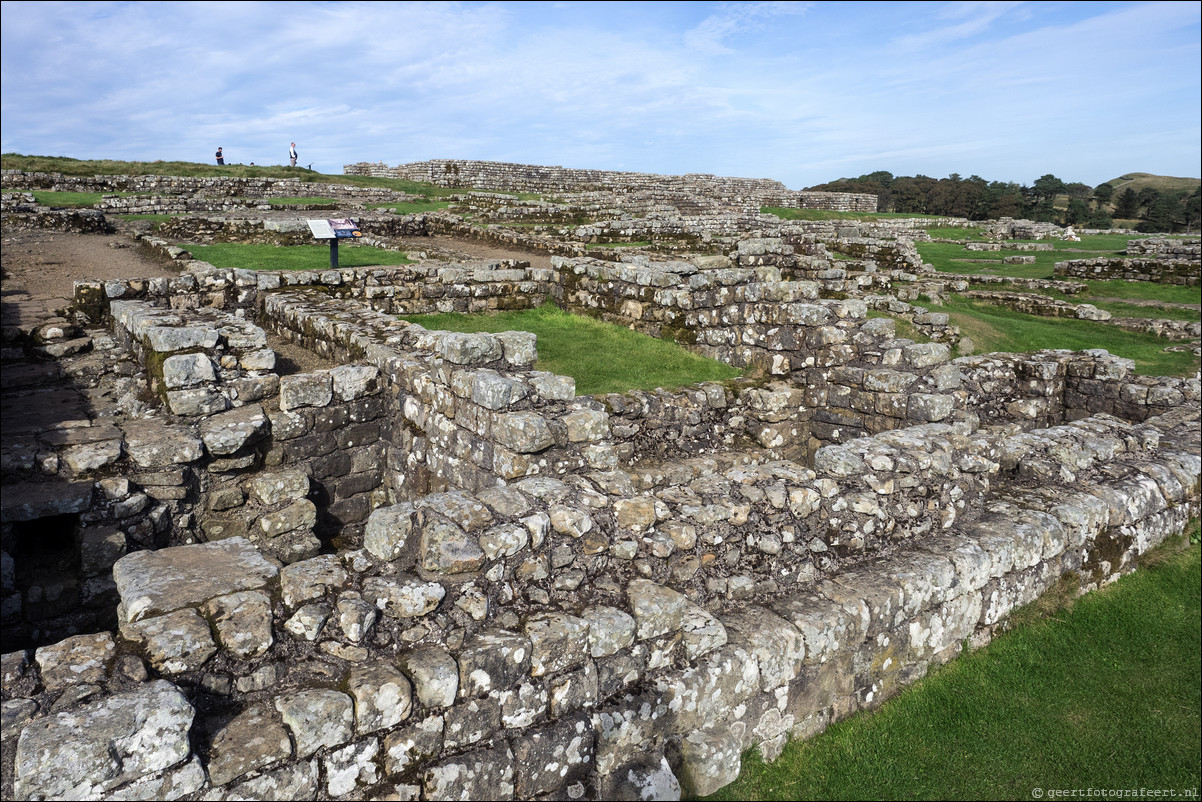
x=299 y=515
x=520 y=347
x=78 y=659
x=259 y=359
x=524 y=432
x=494 y=391
x=91 y=456
x=306 y=390
x=308 y=621
x=434 y=673
x=470 y=722
x=311 y=579
x=82 y=753
x=552 y=387
x=482 y=774
x=388 y=535
x=354 y=381
x=553 y=757
x=174 y=643
x=167 y=339
x=412 y=745
x=174 y=783
x=447 y=549
x=187 y=370
x=30 y=501
x=403 y=597
x=152 y=445
x=291 y=782
x=929 y=408
x=838 y=461
x=197 y=402
x=777 y=645
x=253 y=740
x=99 y=549
x=657 y=610
x=702 y=632
x=647 y=778
x=492 y=661
x=709 y=760
x=355 y=616
x=155 y=582
x=610 y=630
x=14 y=715
x=317 y=719
x=382 y=695
x=570 y=521
x=228 y=432
x=470 y=349
x=242 y=621
x=558 y=642
x=352 y=767
x=275 y=487
x=586 y=425
x=575 y=690
x=524 y=705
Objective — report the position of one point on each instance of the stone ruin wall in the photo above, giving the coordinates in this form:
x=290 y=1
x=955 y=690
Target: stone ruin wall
x=599 y=625
x=505 y=177
x=1188 y=250
x=1157 y=259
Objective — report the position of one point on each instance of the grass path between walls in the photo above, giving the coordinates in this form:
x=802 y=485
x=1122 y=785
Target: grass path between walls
x=1103 y=694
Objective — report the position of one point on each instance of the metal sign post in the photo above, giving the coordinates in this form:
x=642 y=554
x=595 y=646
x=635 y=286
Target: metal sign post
x=334 y=230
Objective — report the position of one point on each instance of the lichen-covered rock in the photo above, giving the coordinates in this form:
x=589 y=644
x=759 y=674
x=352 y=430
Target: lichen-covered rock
x=482 y=774
x=553 y=757
x=610 y=630
x=174 y=643
x=434 y=673
x=317 y=719
x=242 y=621
x=75 y=660
x=252 y=740
x=382 y=695
x=352 y=767
x=493 y=661
x=657 y=610
x=558 y=642
x=311 y=579
x=82 y=753
x=708 y=761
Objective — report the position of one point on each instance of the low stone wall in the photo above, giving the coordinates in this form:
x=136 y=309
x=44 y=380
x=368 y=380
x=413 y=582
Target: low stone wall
x=505 y=177
x=21 y=212
x=1188 y=250
x=1155 y=270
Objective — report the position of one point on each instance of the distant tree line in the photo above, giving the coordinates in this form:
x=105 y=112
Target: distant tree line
x=977 y=199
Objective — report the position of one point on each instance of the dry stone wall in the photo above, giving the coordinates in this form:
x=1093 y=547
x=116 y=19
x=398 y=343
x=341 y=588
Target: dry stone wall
x=1160 y=271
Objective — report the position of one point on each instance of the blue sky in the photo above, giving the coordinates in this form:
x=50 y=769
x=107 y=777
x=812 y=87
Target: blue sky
x=799 y=92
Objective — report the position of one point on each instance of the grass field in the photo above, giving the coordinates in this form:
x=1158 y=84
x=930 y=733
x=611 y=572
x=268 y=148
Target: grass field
x=292 y=257
x=1105 y=695
x=601 y=357
x=823 y=214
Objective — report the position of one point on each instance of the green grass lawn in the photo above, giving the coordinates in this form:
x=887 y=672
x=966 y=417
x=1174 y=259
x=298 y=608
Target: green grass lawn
x=292 y=257
x=71 y=200
x=1105 y=695
x=996 y=328
x=601 y=357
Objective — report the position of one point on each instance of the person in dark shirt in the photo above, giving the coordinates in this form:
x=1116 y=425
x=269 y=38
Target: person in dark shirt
x=220 y=158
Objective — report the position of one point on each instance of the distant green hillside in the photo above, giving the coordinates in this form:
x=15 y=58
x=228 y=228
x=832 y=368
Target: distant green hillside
x=1163 y=184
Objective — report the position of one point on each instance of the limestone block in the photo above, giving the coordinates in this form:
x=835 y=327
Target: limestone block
x=493 y=391
x=887 y=381
x=777 y=645
x=226 y=433
x=462 y=508
x=573 y=691
x=275 y=487
x=553 y=757
x=647 y=777
x=194 y=403
x=701 y=631
x=708 y=761
x=317 y=719
x=470 y=349
x=311 y=579
x=482 y=774
x=523 y=432
x=493 y=660
x=657 y=610
x=403 y=597
x=174 y=643
x=168 y=339
x=299 y=515
x=447 y=549
x=351 y=767
x=924 y=355
x=382 y=695
x=587 y=425
x=610 y=630
x=91 y=456
x=258 y=359
x=354 y=381
x=305 y=390
x=308 y=621
x=153 y=445
x=552 y=387
x=929 y=408
x=15 y=714
x=99 y=549
x=155 y=582
x=242 y=621
x=523 y=705
x=174 y=783
x=520 y=347
x=355 y=616
x=471 y=722
x=434 y=674
x=558 y=642
x=412 y=745
x=570 y=521
x=75 y=660
x=104 y=743
x=187 y=370
x=838 y=461
x=252 y=740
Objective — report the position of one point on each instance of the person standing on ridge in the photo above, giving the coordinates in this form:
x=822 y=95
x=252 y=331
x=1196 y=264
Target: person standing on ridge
x=292 y=154
x=220 y=158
